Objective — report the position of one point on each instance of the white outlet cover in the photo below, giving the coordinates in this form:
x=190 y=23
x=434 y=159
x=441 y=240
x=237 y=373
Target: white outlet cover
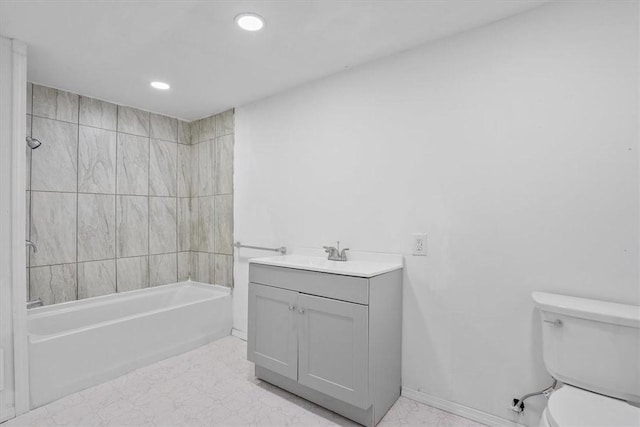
x=419 y=244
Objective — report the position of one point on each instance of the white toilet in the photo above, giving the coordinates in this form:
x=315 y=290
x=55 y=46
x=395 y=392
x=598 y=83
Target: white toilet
x=593 y=348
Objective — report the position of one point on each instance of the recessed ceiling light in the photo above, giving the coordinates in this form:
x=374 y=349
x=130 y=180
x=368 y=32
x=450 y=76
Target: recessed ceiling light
x=160 y=85
x=250 y=21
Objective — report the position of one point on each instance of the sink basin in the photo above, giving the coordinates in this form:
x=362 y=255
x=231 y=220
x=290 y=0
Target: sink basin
x=360 y=264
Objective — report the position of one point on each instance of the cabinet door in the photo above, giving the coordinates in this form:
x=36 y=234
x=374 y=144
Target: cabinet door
x=334 y=348
x=272 y=340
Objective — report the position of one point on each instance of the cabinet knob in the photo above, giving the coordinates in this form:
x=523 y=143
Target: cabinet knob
x=292 y=307
x=301 y=310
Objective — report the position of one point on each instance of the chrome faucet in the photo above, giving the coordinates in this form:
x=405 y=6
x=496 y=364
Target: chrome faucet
x=34 y=303
x=33 y=245
x=335 y=254
x=332 y=251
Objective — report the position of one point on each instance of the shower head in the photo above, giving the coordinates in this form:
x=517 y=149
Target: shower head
x=33 y=143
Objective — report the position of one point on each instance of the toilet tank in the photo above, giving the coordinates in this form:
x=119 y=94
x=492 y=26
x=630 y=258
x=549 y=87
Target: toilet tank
x=591 y=344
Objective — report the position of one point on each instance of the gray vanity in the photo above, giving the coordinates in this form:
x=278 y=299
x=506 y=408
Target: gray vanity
x=329 y=331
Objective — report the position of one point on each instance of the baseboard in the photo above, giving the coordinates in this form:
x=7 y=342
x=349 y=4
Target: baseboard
x=457 y=409
x=239 y=334
x=7 y=413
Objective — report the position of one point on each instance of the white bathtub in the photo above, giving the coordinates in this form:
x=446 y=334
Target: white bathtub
x=78 y=344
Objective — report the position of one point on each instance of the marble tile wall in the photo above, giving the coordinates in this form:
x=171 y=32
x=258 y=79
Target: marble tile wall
x=124 y=199
x=211 y=210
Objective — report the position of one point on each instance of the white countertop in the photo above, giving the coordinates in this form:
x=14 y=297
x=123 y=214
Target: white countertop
x=359 y=264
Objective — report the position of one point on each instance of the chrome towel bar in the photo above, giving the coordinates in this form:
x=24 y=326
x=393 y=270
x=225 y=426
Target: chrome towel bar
x=281 y=249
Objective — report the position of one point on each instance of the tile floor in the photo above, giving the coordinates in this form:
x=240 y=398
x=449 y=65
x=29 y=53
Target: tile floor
x=210 y=386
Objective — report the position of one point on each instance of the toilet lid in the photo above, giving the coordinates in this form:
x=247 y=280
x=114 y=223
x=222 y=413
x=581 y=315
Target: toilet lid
x=570 y=406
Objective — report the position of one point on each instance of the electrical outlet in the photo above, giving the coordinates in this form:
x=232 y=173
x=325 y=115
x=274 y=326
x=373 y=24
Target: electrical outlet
x=419 y=244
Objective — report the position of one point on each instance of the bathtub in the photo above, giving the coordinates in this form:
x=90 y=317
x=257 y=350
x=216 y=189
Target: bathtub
x=79 y=344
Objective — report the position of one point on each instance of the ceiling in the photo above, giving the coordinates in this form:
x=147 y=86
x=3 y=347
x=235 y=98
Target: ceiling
x=112 y=49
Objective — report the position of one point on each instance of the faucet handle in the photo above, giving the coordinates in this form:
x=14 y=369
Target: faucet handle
x=333 y=252
x=343 y=254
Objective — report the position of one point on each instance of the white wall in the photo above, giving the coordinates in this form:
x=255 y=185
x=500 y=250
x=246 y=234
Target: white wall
x=13 y=360
x=6 y=330
x=513 y=146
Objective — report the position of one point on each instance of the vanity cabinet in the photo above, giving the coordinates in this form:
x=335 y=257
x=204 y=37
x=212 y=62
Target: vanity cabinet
x=319 y=342
x=273 y=336
x=332 y=339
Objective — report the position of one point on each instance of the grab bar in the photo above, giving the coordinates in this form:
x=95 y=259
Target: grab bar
x=281 y=249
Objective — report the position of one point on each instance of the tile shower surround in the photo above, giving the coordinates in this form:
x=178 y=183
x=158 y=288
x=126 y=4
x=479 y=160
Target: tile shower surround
x=124 y=199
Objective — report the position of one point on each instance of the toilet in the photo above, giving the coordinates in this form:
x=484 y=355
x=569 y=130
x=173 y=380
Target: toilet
x=593 y=349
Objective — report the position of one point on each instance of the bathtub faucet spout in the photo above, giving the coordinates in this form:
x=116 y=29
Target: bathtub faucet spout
x=33 y=245
x=34 y=303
